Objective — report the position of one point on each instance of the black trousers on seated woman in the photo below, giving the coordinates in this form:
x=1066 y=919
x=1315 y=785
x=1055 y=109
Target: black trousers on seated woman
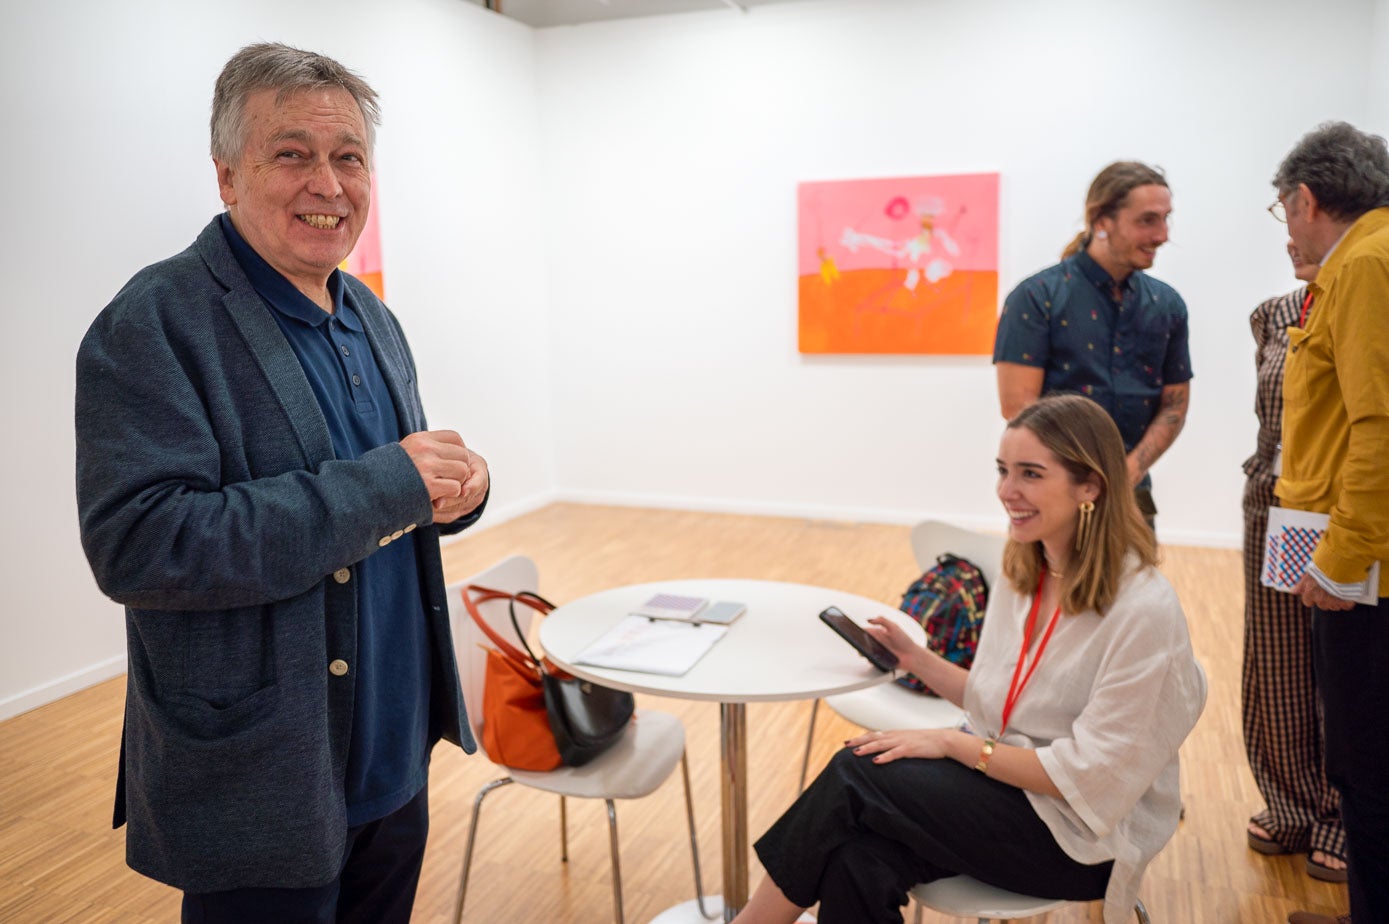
x=863 y=834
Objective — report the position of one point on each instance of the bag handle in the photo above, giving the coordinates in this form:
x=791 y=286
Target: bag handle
x=484 y=594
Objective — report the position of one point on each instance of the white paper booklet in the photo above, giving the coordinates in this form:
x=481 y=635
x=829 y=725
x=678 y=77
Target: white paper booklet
x=1291 y=539
x=651 y=646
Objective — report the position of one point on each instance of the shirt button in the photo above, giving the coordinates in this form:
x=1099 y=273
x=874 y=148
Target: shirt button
x=342 y=575
x=356 y=380
x=345 y=350
x=384 y=541
x=338 y=668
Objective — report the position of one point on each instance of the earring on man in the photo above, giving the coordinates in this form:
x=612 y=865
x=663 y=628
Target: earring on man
x=1102 y=235
x=1083 y=531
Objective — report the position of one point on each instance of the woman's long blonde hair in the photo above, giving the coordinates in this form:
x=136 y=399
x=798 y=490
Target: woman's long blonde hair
x=1108 y=193
x=1085 y=440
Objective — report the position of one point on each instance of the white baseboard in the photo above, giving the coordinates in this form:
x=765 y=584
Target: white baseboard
x=56 y=689
x=988 y=524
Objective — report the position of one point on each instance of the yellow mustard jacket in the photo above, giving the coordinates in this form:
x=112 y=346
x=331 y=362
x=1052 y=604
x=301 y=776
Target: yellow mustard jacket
x=1336 y=405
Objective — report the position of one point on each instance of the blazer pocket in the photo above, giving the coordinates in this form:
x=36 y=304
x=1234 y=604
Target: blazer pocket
x=198 y=719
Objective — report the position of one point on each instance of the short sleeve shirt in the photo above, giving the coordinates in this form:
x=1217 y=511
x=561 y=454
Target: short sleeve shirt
x=1120 y=352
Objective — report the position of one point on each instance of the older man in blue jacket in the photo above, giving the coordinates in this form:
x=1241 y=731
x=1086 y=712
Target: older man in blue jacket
x=256 y=483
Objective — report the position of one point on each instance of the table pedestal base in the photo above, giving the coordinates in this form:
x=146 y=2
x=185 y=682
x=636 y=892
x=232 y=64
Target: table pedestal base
x=688 y=913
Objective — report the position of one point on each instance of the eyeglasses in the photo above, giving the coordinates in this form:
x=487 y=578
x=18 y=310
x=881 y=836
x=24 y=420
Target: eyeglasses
x=1279 y=211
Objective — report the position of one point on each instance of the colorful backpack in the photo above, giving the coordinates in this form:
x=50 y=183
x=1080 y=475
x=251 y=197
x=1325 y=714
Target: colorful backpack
x=948 y=600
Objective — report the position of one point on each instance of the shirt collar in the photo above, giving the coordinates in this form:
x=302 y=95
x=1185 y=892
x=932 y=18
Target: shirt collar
x=1098 y=275
x=279 y=293
x=1327 y=256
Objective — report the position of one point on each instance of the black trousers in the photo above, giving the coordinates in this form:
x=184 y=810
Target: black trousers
x=1350 y=653
x=380 y=872
x=863 y=834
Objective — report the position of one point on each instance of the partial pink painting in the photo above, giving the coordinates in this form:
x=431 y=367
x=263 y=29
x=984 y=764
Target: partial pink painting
x=905 y=265
x=364 y=261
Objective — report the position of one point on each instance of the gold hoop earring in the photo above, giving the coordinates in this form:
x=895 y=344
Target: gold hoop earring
x=1083 y=531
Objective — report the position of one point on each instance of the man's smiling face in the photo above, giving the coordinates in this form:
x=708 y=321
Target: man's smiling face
x=300 y=192
x=1136 y=231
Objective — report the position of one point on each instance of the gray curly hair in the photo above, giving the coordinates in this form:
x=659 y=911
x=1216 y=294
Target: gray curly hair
x=1345 y=168
x=273 y=66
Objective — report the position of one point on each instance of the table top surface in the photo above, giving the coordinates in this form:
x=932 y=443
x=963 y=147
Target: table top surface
x=777 y=650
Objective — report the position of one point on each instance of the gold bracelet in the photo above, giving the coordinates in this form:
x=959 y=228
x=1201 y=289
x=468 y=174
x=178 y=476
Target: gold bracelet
x=986 y=752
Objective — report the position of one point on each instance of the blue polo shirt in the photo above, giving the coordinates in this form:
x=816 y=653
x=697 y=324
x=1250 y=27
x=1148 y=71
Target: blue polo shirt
x=388 y=756
x=1119 y=351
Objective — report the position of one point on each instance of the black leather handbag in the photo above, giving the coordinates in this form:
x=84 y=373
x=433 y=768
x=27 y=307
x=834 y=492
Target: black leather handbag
x=585 y=718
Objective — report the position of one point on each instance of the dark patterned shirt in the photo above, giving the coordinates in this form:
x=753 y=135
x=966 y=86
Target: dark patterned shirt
x=1119 y=351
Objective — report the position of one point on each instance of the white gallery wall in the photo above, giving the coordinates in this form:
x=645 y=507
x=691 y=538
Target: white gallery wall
x=673 y=150
x=589 y=233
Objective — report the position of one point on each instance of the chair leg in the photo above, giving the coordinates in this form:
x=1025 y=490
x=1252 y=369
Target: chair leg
x=563 y=830
x=617 y=862
x=809 y=739
x=694 y=840
x=472 y=838
x=1141 y=912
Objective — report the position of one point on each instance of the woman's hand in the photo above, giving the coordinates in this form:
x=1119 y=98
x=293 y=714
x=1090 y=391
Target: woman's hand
x=947 y=680
x=895 y=639
x=930 y=743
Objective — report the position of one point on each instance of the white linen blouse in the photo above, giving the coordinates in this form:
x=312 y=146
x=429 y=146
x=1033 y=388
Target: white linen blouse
x=1109 y=705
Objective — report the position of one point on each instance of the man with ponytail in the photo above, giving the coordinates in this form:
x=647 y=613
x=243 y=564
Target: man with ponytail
x=1097 y=324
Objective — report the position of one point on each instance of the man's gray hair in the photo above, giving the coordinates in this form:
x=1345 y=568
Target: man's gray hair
x=1345 y=168
x=272 y=66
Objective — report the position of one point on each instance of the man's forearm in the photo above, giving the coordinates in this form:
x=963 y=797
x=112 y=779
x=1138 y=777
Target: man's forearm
x=1162 y=431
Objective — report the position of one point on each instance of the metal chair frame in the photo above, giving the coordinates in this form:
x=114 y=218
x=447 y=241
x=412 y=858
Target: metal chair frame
x=514 y=574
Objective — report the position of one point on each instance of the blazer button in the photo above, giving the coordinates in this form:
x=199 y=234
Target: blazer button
x=342 y=575
x=384 y=541
x=338 y=668
x=397 y=534
x=410 y=528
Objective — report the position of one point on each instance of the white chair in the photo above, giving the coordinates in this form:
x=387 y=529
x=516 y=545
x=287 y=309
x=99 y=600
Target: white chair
x=967 y=897
x=890 y=705
x=641 y=761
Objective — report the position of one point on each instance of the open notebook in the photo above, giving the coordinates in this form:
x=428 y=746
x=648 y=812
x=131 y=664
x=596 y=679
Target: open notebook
x=652 y=646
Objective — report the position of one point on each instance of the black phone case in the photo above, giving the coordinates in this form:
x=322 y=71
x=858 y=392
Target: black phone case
x=862 y=642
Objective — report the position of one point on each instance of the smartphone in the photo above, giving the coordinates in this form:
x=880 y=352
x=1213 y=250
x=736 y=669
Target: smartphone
x=857 y=636
x=721 y=613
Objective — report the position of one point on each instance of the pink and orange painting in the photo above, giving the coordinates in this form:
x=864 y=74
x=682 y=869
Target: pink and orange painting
x=904 y=265
x=364 y=261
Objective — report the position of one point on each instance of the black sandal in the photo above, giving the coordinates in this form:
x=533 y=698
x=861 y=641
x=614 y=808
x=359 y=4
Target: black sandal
x=1326 y=873
x=1267 y=845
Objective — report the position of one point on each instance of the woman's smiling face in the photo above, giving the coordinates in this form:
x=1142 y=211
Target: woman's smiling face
x=1038 y=493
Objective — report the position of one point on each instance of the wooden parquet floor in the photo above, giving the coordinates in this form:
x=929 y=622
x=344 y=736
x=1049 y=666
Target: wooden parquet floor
x=61 y=862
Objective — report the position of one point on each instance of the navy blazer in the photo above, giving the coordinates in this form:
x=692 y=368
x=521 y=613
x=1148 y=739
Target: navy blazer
x=212 y=507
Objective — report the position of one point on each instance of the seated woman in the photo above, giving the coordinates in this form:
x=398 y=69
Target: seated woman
x=1083 y=688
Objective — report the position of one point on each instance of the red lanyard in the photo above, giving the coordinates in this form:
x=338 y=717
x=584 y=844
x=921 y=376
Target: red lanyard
x=1015 y=688
x=1306 y=307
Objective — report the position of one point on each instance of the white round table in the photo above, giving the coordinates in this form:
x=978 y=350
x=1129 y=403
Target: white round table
x=777 y=650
